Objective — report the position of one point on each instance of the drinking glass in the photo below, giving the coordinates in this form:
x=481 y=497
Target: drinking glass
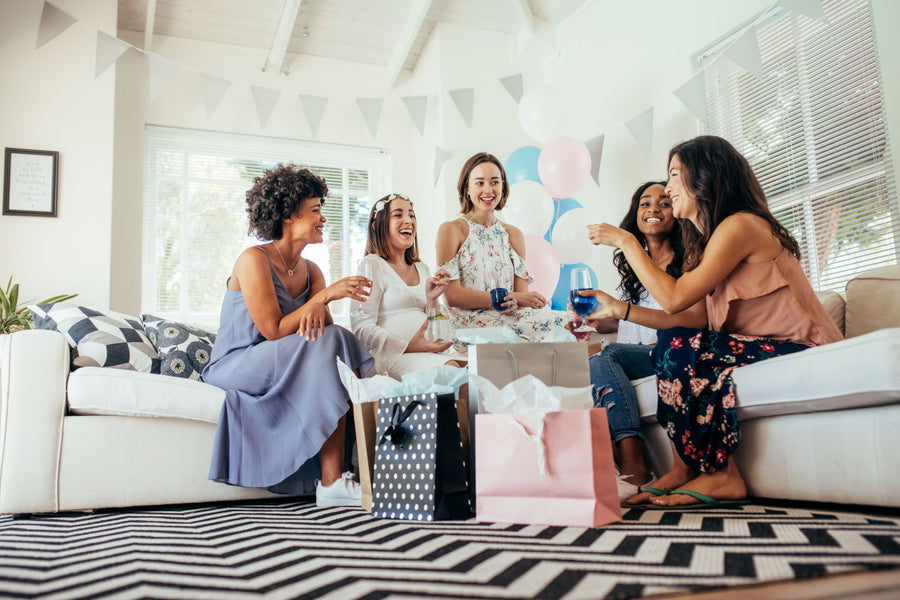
x=499 y=291
x=578 y=326
x=581 y=280
x=363 y=268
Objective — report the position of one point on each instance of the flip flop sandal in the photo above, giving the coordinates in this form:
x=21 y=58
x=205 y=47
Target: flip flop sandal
x=705 y=502
x=649 y=490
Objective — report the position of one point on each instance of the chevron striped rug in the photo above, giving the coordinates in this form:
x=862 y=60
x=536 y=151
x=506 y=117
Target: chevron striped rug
x=296 y=550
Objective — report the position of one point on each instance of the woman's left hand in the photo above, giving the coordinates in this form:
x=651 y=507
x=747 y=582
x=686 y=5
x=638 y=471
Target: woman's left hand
x=312 y=320
x=604 y=234
x=436 y=284
x=529 y=299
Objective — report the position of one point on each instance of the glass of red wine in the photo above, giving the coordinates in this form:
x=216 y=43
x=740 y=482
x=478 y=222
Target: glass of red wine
x=581 y=281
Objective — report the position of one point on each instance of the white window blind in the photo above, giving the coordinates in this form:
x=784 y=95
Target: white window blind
x=813 y=128
x=195 y=220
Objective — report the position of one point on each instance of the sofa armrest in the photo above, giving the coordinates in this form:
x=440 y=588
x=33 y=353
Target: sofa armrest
x=34 y=367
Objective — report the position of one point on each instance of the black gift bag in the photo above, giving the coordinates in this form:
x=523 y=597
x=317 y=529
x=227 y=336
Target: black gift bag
x=420 y=472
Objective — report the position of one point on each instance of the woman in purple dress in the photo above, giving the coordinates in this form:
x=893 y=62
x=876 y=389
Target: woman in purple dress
x=283 y=423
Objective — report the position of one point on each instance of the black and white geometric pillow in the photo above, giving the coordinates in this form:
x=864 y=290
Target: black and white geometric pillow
x=100 y=338
x=183 y=350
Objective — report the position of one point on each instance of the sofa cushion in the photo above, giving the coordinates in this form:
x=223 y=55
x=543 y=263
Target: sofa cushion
x=183 y=350
x=873 y=301
x=852 y=373
x=100 y=338
x=834 y=306
x=96 y=391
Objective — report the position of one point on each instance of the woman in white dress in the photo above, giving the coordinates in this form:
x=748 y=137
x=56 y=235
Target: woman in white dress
x=476 y=248
x=391 y=323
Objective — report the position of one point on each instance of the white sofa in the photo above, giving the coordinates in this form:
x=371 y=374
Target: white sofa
x=822 y=425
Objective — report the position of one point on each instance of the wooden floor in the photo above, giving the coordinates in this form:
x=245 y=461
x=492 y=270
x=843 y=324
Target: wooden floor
x=870 y=585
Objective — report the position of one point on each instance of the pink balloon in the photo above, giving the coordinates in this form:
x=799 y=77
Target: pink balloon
x=564 y=165
x=542 y=263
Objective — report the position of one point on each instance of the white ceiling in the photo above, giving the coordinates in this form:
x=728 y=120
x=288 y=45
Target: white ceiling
x=389 y=33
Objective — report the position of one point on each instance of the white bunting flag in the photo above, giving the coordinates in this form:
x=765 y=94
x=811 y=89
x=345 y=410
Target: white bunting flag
x=109 y=49
x=314 y=107
x=371 y=112
x=417 y=106
x=513 y=85
x=53 y=22
x=810 y=8
x=744 y=51
x=440 y=157
x=464 y=100
x=641 y=127
x=595 y=147
x=693 y=95
x=264 y=99
x=161 y=73
x=214 y=89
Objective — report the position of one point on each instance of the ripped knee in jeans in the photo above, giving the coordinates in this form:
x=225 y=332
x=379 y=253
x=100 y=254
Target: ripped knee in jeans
x=602 y=398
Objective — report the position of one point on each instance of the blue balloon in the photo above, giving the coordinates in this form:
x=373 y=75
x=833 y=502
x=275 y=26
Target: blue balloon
x=560 y=298
x=522 y=165
x=560 y=207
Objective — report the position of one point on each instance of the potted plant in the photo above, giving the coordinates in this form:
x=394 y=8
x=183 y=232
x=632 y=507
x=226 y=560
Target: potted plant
x=14 y=317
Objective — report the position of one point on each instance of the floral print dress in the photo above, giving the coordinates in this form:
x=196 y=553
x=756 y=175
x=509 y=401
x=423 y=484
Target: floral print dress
x=696 y=391
x=486 y=252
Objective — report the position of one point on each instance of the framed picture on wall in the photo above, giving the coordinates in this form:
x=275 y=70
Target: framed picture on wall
x=29 y=185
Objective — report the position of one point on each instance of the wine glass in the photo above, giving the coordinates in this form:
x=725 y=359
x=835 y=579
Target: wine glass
x=581 y=280
x=578 y=326
x=363 y=268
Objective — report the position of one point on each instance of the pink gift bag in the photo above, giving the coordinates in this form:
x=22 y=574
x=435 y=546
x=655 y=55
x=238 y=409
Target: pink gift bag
x=557 y=471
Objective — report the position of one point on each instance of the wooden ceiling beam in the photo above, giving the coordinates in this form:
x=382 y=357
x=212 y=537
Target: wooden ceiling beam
x=149 y=24
x=275 y=58
x=417 y=13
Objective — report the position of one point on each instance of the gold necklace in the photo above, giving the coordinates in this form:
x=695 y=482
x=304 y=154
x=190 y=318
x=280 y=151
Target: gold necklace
x=290 y=271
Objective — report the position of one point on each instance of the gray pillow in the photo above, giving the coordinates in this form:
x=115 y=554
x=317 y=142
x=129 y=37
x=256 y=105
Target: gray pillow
x=183 y=350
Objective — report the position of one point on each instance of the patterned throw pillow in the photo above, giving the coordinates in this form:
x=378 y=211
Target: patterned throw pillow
x=100 y=338
x=184 y=351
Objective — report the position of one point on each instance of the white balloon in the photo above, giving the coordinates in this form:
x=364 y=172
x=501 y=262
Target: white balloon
x=570 y=236
x=529 y=207
x=541 y=112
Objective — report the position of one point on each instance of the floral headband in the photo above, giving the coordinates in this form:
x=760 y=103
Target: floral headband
x=385 y=201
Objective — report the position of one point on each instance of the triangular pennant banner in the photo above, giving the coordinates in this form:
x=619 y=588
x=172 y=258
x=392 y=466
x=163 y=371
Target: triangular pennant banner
x=371 y=112
x=109 y=49
x=464 y=99
x=744 y=51
x=693 y=95
x=213 y=91
x=265 y=100
x=513 y=85
x=595 y=147
x=440 y=157
x=810 y=8
x=416 y=106
x=53 y=22
x=314 y=107
x=641 y=127
x=161 y=73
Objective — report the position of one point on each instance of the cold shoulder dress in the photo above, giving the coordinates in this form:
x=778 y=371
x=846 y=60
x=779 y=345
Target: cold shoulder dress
x=283 y=398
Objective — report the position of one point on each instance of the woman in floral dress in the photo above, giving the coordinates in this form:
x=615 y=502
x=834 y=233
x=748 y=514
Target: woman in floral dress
x=742 y=276
x=476 y=248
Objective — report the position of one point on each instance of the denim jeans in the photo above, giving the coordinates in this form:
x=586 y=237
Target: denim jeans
x=614 y=368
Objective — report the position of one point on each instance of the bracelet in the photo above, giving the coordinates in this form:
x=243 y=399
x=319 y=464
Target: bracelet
x=627 y=312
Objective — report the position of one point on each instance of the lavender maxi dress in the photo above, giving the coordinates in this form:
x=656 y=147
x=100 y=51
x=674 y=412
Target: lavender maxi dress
x=283 y=398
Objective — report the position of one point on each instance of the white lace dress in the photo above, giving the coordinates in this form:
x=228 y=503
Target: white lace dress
x=632 y=333
x=485 y=252
x=391 y=317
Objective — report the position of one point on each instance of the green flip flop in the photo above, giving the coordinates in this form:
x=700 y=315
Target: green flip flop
x=641 y=490
x=705 y=502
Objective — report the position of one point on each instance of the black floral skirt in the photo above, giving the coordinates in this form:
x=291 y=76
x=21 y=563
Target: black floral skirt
x=696 y=392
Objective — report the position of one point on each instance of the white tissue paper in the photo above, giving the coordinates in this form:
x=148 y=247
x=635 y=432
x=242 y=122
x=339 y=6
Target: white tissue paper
x=487 y=335
x=530 y=397
x=443 y=379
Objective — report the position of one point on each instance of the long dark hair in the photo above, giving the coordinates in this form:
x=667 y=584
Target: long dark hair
x=631 y=286
x=379 y=235
x=723 y=183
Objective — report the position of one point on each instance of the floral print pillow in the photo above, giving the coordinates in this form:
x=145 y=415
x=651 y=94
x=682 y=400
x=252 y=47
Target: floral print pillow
x=183 y=350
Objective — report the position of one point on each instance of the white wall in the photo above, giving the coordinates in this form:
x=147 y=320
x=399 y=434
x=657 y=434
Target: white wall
x=50 y=100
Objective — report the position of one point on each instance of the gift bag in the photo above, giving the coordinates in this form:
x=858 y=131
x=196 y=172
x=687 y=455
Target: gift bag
x=420 y=474
x=562 y=364
x=554 y=470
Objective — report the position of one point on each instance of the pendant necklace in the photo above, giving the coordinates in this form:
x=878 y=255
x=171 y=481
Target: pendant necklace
x=290 y=271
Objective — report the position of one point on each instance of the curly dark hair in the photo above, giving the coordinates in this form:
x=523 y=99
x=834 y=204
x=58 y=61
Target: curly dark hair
x=630 y=285
x=277 y=195
x=723 y=184
x=463 y=184
x=378 y=239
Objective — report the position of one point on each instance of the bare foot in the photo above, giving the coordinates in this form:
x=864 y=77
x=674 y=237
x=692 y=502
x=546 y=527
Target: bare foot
x=678 y=476
x=725 y=484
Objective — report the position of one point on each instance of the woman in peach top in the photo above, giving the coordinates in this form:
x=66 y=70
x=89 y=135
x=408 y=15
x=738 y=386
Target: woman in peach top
x=743 y=298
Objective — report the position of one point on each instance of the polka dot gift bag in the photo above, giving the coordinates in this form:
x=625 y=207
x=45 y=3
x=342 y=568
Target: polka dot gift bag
x=420 y=474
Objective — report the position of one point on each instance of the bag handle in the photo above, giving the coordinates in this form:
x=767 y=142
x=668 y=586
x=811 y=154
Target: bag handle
x=515 y=365
x=399 y=435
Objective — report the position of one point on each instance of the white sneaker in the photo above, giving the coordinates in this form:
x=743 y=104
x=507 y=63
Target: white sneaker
x=343 y=492
x=627 y=489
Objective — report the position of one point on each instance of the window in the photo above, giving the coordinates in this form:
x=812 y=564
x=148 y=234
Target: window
x=195 y=223
x=813 y=128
